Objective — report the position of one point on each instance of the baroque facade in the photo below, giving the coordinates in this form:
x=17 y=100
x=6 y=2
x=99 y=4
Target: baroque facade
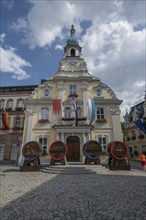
x=59 y=108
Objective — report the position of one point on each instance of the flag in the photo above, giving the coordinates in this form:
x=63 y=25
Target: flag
x=56 y=106
x=5 y=119
x=91 y=112
x=140 y=125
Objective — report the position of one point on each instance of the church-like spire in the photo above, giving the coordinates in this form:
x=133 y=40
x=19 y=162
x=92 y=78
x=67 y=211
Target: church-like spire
x=72 y=40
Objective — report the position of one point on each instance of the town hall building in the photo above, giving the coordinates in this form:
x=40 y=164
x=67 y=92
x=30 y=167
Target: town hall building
x=72 y=106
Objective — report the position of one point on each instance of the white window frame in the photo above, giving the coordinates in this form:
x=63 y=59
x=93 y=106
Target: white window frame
x=20 y=103
x=44 y=146
x=100 y=113
x=2 y=103
x=67 y=113
x=44 y=113
x=10 y=104
x=72 y=89
x=17 y=122
x=1 y=151
x=103 y=144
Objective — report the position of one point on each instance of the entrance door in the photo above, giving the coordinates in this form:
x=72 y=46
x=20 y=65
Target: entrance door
x=73 y=148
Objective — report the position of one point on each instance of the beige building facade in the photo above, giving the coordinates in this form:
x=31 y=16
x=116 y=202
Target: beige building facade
x=12 y=101
x=72 y=88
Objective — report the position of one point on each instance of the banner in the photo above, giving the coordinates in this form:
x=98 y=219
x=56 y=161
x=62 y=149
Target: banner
x=91 y=112
x=140 y=125
x=5 y=119
x=57 y=106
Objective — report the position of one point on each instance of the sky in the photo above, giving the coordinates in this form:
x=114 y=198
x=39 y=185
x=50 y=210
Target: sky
x=111 y=33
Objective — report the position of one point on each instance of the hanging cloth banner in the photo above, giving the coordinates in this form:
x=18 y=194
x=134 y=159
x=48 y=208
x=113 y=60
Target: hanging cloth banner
x=140 y=125
x=5 y=119
x=91 y=112
x=57 y=106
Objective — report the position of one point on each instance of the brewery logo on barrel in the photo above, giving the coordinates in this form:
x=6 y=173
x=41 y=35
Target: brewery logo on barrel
x=31 y=150
x=92 y=150
x=119 y=150
x=57 y=150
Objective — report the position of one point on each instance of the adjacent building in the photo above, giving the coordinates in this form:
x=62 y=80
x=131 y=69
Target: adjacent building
x=135 y=138
x=12 y=101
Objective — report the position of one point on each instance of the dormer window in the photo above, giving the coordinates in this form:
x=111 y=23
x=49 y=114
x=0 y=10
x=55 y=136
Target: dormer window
x=72 y=52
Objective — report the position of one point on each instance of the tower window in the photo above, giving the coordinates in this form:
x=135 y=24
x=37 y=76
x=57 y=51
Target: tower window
x=72 y=53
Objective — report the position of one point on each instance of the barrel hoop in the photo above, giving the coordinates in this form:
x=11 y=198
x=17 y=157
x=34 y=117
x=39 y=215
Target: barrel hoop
x=114 y=144
x=50 y=149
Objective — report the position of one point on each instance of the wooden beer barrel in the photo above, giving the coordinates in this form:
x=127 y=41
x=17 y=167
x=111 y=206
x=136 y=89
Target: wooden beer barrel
x=118 y=150
x=57 y=150
x=92 y=150
x=31 y=150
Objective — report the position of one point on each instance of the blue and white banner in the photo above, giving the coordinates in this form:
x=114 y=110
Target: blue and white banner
x=91 y=112
x=140 y=125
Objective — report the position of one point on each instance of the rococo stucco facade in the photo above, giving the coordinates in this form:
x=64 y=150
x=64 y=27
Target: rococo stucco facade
x=72 y=80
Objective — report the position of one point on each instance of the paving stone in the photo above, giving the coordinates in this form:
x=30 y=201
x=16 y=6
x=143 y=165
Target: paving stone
x=105 y=195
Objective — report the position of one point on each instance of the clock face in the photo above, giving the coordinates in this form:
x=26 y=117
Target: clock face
x=98 y=92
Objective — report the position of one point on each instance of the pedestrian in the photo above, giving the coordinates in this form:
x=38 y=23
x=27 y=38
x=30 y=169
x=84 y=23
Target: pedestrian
x=142 y=159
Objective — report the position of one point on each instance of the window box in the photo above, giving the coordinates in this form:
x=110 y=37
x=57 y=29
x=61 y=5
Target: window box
x=43 y=120
x=101 y=120
x=68 y=119
x=73 y=95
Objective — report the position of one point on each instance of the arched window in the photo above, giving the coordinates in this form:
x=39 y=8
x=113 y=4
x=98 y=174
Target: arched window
x=45 y=113
x=72 y=53
x=100 y=113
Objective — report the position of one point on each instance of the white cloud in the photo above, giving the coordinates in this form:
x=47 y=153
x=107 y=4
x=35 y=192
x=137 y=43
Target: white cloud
x=112 y=49
x=12 y=63
x=2 y=38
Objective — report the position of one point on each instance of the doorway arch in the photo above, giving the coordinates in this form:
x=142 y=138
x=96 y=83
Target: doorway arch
x=73 y=148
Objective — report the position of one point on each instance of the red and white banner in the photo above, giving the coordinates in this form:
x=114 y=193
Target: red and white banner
x=57 y=106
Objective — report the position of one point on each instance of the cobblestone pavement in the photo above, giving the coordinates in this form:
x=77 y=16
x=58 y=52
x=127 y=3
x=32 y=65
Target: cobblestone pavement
x=104 y=195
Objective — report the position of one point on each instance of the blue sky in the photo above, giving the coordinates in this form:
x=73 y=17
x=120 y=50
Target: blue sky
x=112 y=34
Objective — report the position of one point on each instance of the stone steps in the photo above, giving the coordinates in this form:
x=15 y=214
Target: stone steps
x=72 y=169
